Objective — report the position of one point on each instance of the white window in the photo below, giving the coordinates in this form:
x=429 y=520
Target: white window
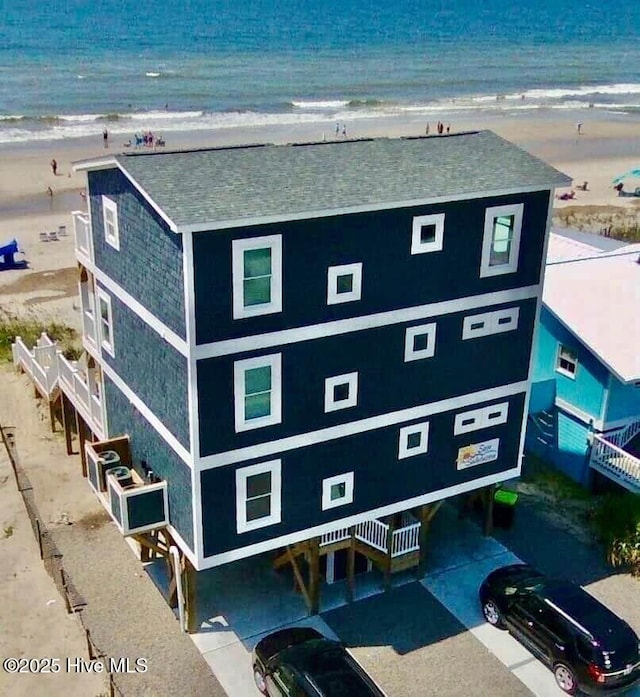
x=427 y=233
x=105 y=321
x=340 y=392
x=487 y=323
x=258 y=495
x=344 y=283
x=419 y=342
x=110 y=221
x=501 y=241
x=337 y=491
x=481 y=418
x=257 y=276
x=567 y=362
x=257 y=392
x=414 y=440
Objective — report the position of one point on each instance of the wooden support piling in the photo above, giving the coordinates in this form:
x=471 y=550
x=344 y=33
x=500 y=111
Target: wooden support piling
x=191 y=596
x=67 y=422
x=314 y=576
x=488 y=500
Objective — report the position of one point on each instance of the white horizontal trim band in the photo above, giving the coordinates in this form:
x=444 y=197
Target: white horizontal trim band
x=353 y=324
x=301 y=535
x=325 y=434
x=134 y=305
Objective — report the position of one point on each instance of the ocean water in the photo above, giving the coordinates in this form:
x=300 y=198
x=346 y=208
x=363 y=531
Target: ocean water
x=70 y=68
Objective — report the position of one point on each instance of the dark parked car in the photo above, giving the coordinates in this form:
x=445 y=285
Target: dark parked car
x=300 y=662
x=588 y=647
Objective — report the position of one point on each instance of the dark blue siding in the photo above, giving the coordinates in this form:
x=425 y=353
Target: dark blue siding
x=146 y=444
x=149 y=263
x=152 y=368
x=392 y=277
x=380 y=478
x=385 y=382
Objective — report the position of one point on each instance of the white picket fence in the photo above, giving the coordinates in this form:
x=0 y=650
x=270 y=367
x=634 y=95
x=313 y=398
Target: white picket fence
x=39 y=363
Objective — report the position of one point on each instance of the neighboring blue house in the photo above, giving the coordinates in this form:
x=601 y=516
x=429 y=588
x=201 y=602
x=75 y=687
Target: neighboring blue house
x=585 y=400
x=309 y=341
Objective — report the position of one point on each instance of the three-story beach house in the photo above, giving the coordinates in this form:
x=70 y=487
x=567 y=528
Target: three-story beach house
x=312 y=341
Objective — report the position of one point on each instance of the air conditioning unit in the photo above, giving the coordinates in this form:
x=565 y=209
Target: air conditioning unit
x=122 y=475
x=107 y=459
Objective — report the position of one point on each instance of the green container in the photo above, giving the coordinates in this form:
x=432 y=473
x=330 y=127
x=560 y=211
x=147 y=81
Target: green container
x=506 y=497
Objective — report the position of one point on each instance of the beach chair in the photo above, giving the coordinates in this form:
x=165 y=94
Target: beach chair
x=44 y=237
x=62 y=231
x=53 y=236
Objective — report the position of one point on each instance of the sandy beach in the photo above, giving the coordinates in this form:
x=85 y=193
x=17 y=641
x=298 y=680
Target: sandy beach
x=607 y=148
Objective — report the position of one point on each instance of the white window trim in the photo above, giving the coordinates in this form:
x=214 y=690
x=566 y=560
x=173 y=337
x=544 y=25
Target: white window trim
x=491 y=214
x=111 y=239
x=486 y=417
x=239 y=247
x=347 y=480
x=108 y=346
x=333 y=272
x=352 y=380
x=273 y=361
x=562 y=371
x=419 y=247
x=403 y=441
x=273 y=466
x=411 y=354
x=492 y=323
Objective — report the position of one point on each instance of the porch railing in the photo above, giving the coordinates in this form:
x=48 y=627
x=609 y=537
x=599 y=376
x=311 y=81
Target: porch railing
x=375 y=533
x=616 y=463
x=39 y=363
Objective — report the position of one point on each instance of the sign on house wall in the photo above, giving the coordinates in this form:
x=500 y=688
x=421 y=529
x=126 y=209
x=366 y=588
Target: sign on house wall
x=478 y=453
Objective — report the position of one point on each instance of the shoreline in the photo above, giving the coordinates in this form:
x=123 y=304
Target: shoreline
x=607 y=149
x=25 y=167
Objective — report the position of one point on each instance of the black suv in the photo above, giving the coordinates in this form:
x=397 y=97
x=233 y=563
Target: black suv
x=300 y=662
x=587 y=647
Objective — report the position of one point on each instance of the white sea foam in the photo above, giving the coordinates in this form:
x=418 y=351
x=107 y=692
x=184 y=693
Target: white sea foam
x=162 y=115
x=328 y=104
x=150 y=74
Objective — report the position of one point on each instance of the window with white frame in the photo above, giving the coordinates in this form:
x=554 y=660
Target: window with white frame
x=427 y=233
x=501 y=241
x=487 y=323
x=257 y=392
x=257 y=276
x=105 y=321
x=413 y=440
x=344 y=283
x=258 y=495
x=340 y=392
x=110 y=222
x=567 y=362
x=337 y=491
x=419 y=342
x=481 y=418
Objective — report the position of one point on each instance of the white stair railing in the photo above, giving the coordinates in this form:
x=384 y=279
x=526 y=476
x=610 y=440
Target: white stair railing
x=405 y=540
x=373 y=533
x=622 y=436
x=330 y=538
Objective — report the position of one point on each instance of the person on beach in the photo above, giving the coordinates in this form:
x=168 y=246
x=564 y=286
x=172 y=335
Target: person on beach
x=49 y=192
x=105 y=137
x=426 y=130
x=344 y=131
x=579 y=128
x=337 y=129
x=54 y=168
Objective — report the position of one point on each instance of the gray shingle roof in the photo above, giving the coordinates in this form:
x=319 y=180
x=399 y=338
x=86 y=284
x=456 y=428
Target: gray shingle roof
x=202 y=188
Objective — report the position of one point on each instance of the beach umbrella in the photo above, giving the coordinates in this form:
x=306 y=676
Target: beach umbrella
x=626 y=175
